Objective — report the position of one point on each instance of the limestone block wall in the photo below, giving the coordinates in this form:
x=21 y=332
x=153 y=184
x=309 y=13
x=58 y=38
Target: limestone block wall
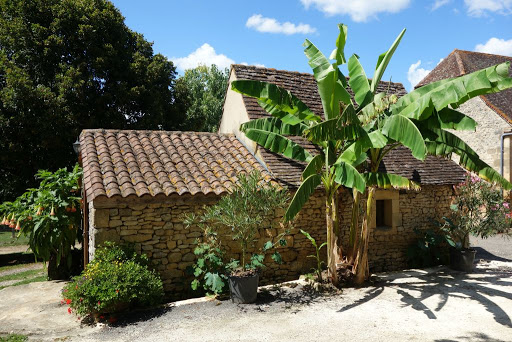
x=486 y=140
x=157 y=229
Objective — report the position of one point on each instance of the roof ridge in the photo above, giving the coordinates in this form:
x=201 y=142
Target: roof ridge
x=481 y=53
x=296 y=72
x=147 y=131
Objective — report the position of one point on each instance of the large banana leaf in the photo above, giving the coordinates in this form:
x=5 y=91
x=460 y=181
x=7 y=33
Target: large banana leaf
x=329 y=79
x=403 y=130
x=274 y=125
x=349 y=116
x=314 y=166
x=332 y=130
x=348 y=176
x=277 y=97
x=389 y=181
x=355 y=153
x=449 y=118
x=383 y=61
x=339 y=52
x=445 y=143
x=303 y=193
x=421 y=103
x=358 y=81
x=278 y=144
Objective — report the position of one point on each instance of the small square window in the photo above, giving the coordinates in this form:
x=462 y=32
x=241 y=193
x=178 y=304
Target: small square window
x=384 y=214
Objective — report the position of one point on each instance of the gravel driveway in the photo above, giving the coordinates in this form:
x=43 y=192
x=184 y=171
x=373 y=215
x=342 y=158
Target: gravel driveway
x=433 y=305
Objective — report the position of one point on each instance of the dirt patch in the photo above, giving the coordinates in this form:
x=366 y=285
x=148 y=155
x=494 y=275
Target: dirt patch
x=416 y=305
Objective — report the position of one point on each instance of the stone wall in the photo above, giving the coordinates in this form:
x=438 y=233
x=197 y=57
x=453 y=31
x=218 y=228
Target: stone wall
x=157 y=229
x=486 y=141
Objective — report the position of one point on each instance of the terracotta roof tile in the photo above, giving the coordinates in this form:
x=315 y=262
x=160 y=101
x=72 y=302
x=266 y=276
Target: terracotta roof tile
x=138 y=163
x=434 y=171
x=461 y=62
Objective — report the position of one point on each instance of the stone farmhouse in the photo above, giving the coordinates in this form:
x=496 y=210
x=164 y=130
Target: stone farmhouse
x=492 y=112
x=138 y=184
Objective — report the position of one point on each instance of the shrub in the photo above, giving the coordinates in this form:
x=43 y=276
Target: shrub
x=479 y=209
x=428 y=250
x=115 y=280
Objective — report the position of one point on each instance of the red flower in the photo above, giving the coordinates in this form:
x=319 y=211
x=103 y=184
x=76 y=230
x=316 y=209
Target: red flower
x=102 y=317
x=76 y=287
x=68 y=301
x=69 y=310
x=117 y=291
x=99 y=303
x=81 y=299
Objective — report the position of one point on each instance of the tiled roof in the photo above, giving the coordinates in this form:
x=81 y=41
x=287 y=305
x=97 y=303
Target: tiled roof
x=434 y=171
x=149 y=163
x=301 y=85
x=461 y=62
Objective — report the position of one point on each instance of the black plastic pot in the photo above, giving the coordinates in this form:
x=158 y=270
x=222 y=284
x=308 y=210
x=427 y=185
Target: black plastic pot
x=244 y=290
x=462 y=259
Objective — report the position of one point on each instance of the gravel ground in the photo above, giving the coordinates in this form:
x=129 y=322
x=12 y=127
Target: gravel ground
x=419 y=305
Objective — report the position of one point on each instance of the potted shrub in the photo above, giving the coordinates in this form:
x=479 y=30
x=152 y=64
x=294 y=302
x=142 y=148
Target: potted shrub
x=480 y=210
x=250 y=206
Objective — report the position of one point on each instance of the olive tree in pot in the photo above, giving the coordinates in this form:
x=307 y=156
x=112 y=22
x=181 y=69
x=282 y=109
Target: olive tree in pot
x=250 y=206
x=479 y=209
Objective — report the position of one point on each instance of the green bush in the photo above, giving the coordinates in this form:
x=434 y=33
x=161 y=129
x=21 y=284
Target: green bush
x=429 y=249
x=117 y=279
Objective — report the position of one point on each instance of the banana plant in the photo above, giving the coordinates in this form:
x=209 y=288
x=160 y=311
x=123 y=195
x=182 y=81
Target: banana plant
x=354 y=135
x=419 y=121
x=331 y=134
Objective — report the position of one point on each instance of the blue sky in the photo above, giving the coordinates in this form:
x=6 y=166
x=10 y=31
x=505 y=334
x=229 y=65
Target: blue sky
x=271 y=33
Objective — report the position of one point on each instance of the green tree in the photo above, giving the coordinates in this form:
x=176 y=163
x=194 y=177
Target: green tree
x=355 y=135
x=206 y=89
x=66 y=65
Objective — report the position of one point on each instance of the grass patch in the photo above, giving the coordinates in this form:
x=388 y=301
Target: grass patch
x=27 y=281
x=6 y=240
x=13 y=267
x=13 y=338
x=21 y=275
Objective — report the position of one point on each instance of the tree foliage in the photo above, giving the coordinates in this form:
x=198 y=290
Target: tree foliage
x=205 y=92
x=66 y=65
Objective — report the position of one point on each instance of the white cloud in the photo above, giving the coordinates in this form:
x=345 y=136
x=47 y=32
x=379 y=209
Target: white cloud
x=359 y=10
x=478 y=8
x=271 y=25
x=496 y=46
x=254 y=64
x=204 y=55
x=415 y=74
x=440 y=3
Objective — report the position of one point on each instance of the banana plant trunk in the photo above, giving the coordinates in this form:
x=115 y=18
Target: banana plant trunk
x=354 y=228
x=333 y=247
x=361 y=268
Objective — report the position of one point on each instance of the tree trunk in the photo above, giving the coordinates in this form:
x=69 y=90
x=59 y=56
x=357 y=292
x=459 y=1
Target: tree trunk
x=361 y=269
x=354 y=228
x=333 y=250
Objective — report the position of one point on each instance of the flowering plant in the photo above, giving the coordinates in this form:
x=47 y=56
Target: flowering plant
x=115 y=280
x=479 y=209
x=50 y=216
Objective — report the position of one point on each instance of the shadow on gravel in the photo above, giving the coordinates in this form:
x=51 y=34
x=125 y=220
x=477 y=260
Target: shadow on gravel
x=132 y=317
x=474 y=337
x=445 y=284
x=481 y=253
x=292 y=297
